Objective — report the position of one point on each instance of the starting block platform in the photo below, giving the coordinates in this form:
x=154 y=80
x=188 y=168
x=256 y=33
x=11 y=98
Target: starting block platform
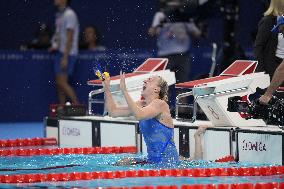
x=134 y=81
x=212 y=94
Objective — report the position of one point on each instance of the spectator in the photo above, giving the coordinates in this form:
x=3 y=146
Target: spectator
x=91 y=40
x=42 y=39
x=230 y=51
x=267 y=46
x=174 y=41
x=65 y=40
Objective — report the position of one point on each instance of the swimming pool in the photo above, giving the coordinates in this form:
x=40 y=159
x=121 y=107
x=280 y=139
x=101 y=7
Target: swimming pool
x=80 y=170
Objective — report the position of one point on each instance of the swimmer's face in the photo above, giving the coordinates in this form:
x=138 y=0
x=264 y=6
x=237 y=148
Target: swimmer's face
x=152 y=84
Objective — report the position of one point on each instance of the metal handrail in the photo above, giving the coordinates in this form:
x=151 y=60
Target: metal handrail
x=178 y=104
x=91 y=100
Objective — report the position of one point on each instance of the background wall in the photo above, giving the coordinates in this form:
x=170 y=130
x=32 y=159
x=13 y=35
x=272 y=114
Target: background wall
x=122 y=23
x=26 y=78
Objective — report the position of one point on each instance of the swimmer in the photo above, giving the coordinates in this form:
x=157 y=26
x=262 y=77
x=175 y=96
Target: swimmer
x=153 y=114
x=155 y=121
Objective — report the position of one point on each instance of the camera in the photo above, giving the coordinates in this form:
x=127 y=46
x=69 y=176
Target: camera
x=272 y=113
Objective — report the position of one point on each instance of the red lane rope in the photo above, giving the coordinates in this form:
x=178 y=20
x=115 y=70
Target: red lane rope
x=57 y=151
x=228 y=158
x=197 y=172
x=267 y=185
x=28 y=142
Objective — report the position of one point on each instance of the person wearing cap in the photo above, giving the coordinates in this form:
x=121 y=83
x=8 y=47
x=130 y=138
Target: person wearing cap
x=267 y=43
x=278 y=76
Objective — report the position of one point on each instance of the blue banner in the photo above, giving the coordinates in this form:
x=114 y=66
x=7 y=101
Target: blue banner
x=28 y=84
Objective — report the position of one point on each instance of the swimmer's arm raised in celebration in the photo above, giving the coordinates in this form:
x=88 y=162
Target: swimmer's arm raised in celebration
x=152 y=110
x=198 y=153
x=111 y=107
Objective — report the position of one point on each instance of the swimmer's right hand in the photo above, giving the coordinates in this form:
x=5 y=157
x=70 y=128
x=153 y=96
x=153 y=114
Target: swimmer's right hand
x=106 y=83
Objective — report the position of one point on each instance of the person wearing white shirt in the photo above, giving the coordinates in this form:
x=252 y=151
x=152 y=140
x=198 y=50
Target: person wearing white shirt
x=278 y=76
x=65 y=41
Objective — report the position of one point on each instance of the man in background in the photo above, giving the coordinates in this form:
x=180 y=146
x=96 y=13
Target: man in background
x=65 y=41
x=91 y=39
x=174 y=34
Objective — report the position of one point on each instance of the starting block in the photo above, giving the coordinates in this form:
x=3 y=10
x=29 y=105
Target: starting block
x=134 y=81
x=212 y=94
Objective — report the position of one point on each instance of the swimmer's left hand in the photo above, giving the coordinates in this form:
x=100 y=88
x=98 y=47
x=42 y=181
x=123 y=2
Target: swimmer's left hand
x=201 y=130
x=106 y=83
x=122 y=82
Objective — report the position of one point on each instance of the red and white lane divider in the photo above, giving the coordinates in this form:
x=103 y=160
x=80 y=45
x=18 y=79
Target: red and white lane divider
x=57 y=151
x=268 y=185
x=28 y=142
x=228 y=158
x=196 y=172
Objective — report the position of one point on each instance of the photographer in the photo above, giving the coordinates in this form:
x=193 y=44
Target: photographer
x=278 y=76
x=174 y=38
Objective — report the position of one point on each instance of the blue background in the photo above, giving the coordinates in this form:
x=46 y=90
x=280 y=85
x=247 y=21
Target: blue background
x=121 y=23
x=27 y=78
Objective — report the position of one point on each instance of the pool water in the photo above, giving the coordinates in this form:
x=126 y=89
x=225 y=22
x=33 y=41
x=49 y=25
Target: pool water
x=106 y=162
x=92 y=163
x=149 y=181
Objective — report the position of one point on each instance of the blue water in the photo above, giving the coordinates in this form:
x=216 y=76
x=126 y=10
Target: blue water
x=91 y=163
x=21 y=130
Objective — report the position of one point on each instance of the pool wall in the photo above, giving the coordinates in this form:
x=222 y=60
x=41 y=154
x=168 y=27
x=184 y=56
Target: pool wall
x=253 y=144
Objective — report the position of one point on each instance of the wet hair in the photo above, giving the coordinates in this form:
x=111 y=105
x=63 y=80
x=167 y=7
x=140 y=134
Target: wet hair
x=163 y=94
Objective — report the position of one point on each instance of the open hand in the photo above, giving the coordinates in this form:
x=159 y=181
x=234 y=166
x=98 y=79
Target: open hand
x=122 y=82
x=201 y=130
x=106 y=82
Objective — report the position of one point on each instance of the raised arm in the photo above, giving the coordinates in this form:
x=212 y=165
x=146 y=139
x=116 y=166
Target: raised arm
x=152 y=110
x=198 y=153
x=111 y=107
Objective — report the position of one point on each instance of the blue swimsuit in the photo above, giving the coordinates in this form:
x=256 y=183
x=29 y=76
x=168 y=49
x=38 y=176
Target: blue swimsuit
x=159 y=140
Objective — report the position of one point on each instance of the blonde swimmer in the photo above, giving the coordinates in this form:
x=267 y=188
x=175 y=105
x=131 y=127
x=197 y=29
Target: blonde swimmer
x=155 y=121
